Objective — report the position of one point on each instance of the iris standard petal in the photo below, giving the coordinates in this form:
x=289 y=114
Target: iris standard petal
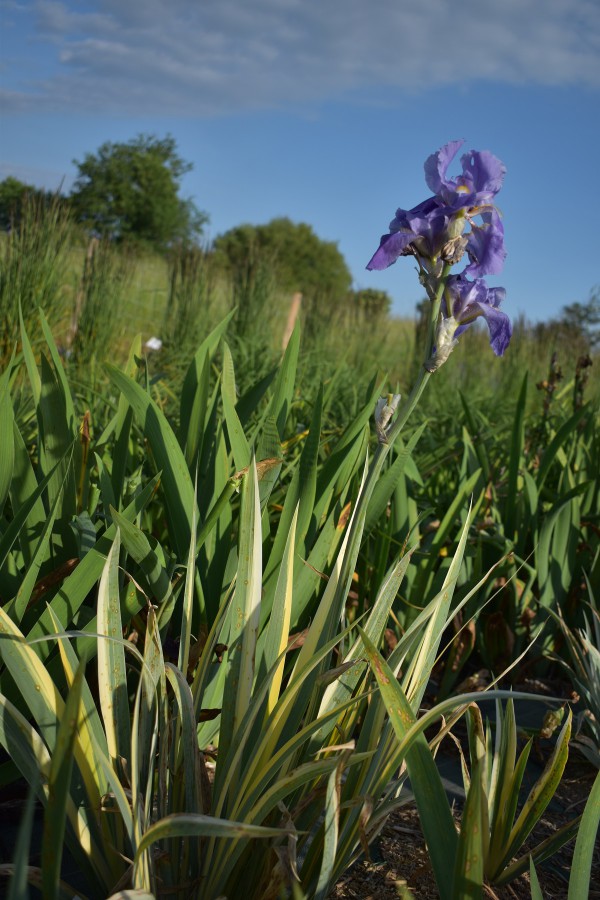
x=437 y=164
x=484 y=173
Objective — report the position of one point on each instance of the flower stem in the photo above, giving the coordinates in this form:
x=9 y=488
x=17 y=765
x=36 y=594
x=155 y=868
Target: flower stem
x=360 y=512
x=436 y=305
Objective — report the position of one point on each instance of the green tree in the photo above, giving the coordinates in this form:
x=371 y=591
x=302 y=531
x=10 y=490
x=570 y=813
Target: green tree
x=584 y=318
x=12 y=194
x=16 y=194
x=301 y=261
x=372 y=304
x=130 y=192
x=577 y=326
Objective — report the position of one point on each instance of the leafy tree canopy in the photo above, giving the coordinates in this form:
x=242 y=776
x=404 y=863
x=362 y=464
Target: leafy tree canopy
x=301 y=261
x=372 y=303
x=15 y=194
x=584 y=318
x=577 y=323
x=130 y=192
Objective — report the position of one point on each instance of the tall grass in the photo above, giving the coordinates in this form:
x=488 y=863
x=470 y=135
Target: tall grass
x=32 y=270
x=98 y=306
x=182 y=299
x=183 y=621
x=190 y=310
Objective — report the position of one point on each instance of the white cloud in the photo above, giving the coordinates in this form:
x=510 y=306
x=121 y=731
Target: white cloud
x=214 y=56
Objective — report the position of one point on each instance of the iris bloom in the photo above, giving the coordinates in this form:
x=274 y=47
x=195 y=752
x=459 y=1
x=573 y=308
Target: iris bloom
x=464 y=301
x=440 y=230
x=433 y=231
x=481 y=179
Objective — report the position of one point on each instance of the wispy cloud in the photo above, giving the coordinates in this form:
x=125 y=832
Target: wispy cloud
x=215 y=56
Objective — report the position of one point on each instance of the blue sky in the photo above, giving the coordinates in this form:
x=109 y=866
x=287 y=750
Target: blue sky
x=325 y=110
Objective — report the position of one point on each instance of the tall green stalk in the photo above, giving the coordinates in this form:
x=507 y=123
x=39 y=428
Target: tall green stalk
x=384 y=447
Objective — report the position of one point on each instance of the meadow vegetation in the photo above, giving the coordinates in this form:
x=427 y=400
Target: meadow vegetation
x=233 y=622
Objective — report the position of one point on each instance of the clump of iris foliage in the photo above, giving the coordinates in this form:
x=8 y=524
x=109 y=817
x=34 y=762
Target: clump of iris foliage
x=222 y=606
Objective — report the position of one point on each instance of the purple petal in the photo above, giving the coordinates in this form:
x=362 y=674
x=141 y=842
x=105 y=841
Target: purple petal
x=496 y=296
x=499 y=325
x=390 y=248
x=485 y=247
x=467 y=300
x=437 y=164
x=403 y=217
x=484 y=171
x=464 y=297
x=462 y=328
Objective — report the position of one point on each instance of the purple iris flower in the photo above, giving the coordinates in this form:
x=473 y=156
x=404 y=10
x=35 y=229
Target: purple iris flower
x=467 y=300
x=433 y=229
x=481 y=179
x=422 y=230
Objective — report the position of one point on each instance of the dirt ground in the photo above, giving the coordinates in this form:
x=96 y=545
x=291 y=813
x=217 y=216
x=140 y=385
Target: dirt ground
x=399 y=866
x=400 y=859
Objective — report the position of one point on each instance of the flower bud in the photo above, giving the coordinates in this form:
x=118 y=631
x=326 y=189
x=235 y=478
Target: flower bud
x=385 y=409
x=445 y=342
x=453 y=250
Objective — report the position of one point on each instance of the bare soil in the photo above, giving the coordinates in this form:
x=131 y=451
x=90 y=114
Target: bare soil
x=400 y=857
